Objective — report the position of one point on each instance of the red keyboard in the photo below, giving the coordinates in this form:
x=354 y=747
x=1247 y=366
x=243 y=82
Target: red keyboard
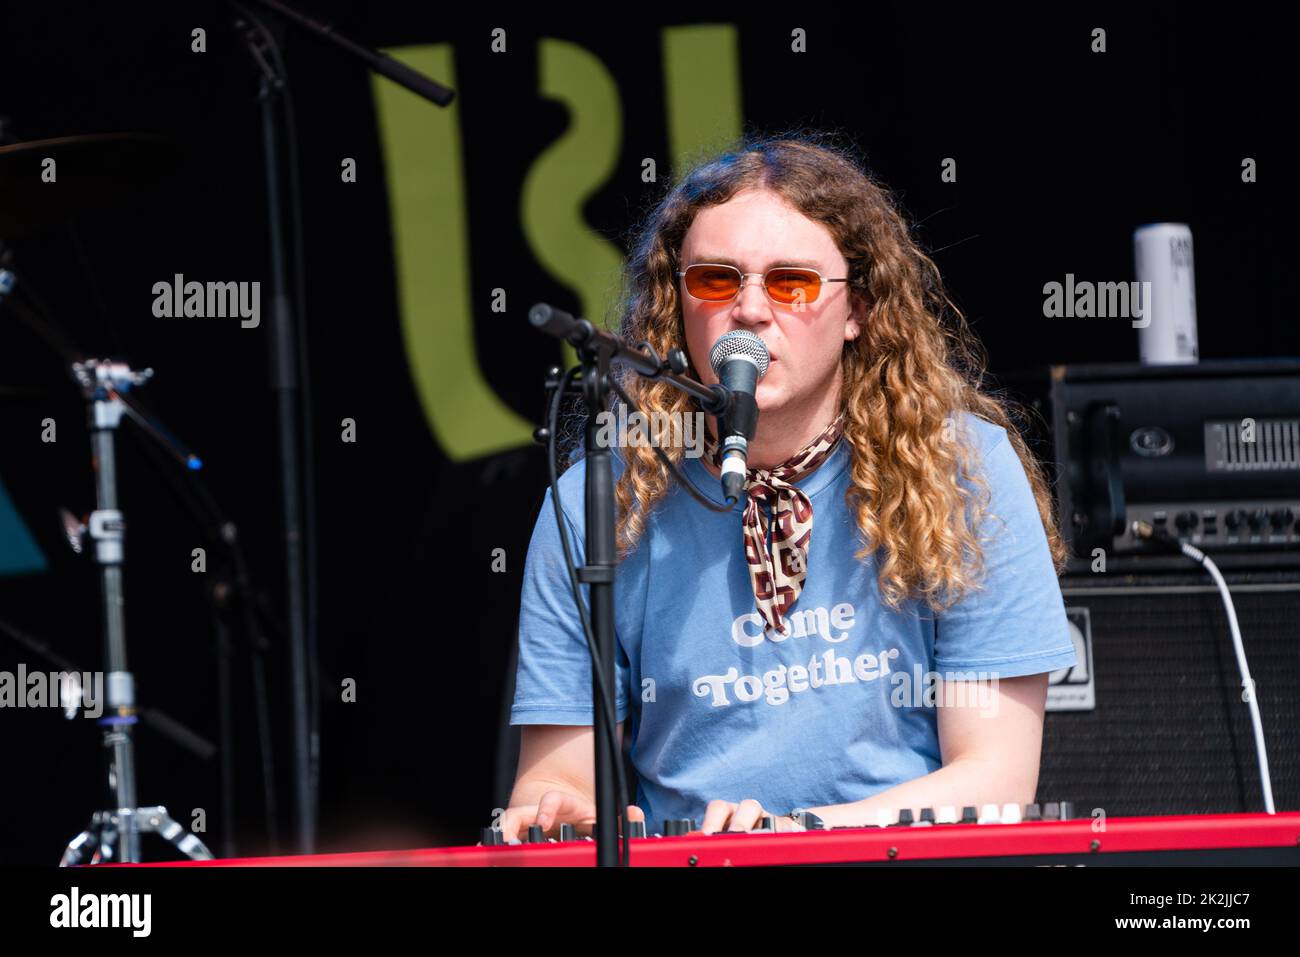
x=1226 y=839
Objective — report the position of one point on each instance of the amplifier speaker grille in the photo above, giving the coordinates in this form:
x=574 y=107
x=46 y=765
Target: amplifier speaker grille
x=1170 y=733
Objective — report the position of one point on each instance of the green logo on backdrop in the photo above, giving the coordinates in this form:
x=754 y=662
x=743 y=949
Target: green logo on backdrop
x=423 y=161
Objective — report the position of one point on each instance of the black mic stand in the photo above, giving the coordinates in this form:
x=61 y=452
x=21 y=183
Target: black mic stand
x=597 y=349
x=599 y=574
x=285 y=371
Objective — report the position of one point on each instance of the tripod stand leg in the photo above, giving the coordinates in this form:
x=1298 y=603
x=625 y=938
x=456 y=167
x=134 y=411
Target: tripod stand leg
x=97 y=841
x=157 y=819
x=102 y=835
x=79 y=846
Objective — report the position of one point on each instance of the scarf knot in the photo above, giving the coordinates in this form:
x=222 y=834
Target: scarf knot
x=776 y=547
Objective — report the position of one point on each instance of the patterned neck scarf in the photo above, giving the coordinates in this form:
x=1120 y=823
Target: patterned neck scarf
x=778 y=574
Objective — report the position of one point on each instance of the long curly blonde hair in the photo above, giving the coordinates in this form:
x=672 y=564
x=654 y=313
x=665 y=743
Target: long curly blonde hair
x=913 y=367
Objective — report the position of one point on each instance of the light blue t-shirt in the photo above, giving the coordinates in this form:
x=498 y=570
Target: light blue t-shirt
x=834 y=712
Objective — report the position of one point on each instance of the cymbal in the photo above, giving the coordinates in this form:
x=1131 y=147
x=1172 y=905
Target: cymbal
x=91 y=171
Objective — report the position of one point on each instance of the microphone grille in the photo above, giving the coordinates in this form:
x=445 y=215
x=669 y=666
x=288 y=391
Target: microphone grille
x=739 y=342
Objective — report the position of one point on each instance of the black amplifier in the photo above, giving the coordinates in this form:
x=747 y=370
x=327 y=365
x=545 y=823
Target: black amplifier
x=1209 y=451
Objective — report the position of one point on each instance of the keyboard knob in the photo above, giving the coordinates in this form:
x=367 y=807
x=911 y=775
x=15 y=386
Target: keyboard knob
x=766 y=823
x=905 y=818
x=492 y=836
x=535 y=834
x=927 y=815
x=989 y=814
x=968 y=815
x=636 y=828
x=1051 y=811
x=884 y=817
x=1067 y=810
x=568 y=832
x=947 y=814
x=1011 y=814
x=1033 y=812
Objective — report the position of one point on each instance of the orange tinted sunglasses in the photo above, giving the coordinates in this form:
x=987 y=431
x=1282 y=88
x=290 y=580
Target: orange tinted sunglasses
x=718 y=282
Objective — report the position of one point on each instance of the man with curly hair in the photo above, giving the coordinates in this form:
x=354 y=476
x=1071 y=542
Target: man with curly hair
x=817 y=646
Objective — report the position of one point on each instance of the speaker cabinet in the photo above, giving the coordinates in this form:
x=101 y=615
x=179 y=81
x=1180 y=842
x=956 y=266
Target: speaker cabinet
x=1169 y=731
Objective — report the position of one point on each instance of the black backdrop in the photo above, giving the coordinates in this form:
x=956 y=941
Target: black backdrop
x=1061 y=151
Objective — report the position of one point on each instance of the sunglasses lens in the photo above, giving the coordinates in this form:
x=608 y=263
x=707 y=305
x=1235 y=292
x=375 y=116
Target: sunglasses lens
x=712 y=283
x=793 y=285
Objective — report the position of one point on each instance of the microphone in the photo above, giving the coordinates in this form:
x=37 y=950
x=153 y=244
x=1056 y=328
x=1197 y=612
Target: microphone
x=739 y=359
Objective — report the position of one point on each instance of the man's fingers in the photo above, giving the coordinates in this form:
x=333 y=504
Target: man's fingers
x=563 y=807
x=747 y=815
x=515 y=818
x=716 y=816
x=729 y=816
x=553 y=809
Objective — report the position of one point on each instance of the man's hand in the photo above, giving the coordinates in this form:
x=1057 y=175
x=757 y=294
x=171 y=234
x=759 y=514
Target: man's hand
x=745 y=816
x=552 y=809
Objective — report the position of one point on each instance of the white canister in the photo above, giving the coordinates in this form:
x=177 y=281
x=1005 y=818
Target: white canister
x=1162 y=257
